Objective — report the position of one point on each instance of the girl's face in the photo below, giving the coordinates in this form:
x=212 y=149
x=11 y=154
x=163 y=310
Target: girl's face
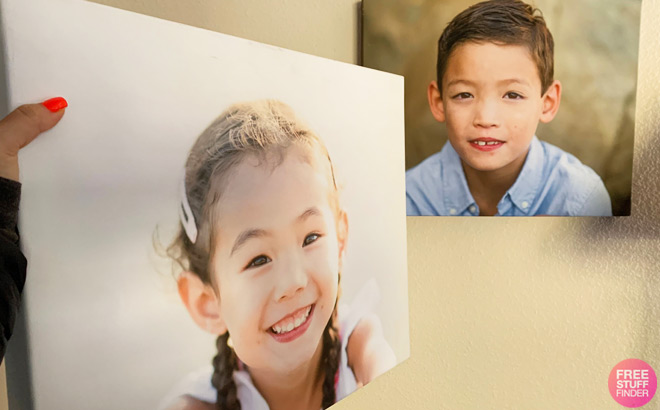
x=277 y=259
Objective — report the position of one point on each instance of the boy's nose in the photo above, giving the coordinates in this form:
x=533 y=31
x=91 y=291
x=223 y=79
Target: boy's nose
x=486 y=114
x=291 y=279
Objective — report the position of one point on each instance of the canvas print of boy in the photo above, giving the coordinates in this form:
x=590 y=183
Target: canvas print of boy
x=494 y=86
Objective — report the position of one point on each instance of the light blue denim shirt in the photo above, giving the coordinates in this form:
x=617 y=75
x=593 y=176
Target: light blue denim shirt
x=551 y=182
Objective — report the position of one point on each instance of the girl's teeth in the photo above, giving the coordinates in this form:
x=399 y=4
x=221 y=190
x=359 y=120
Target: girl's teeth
x=292 y=324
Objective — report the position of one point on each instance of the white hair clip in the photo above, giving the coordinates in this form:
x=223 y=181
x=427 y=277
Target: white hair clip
x=186 y=215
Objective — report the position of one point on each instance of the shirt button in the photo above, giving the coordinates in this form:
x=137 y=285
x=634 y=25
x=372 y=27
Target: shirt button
x=525 y=204
x=452 y=211
x=473 y=209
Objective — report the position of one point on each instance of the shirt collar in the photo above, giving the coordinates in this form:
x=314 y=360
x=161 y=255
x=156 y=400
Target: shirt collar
x=457 y=195
x=524 y=190
x=455 y=189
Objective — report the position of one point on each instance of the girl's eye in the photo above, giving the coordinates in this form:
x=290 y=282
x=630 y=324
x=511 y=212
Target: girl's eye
x=258 y=261
x=513 y=96
x=311 y=238
x=462 y=96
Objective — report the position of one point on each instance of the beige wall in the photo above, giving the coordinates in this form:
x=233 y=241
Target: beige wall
x=3 y=388
x=505 y=313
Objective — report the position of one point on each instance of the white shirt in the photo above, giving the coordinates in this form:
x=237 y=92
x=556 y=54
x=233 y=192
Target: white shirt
x=198 y=384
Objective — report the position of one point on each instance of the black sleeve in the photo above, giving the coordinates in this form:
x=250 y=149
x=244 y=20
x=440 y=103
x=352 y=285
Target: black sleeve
x=12 y=262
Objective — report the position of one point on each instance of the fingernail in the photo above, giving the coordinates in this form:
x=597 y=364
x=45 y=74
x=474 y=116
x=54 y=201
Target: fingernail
x=55 y=104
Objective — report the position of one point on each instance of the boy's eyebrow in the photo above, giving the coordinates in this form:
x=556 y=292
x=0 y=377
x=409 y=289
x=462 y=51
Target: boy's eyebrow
x=257 y=233
x=505 y=81
x=459 y=81
x=514 y=80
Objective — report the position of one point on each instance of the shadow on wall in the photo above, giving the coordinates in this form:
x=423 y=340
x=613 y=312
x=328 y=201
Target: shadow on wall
x=596 y=48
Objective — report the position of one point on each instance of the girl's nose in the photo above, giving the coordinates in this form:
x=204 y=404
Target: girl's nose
x=486 y=114
x=291 y=279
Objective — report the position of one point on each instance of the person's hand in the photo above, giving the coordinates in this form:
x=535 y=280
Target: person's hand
x=369 y=354
x=23 y=125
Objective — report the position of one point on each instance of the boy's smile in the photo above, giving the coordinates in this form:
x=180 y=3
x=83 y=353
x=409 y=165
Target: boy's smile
x=491 y=102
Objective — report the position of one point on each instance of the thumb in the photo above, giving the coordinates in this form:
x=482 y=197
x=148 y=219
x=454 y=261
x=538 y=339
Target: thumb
x=23 y=125
x=26 y=122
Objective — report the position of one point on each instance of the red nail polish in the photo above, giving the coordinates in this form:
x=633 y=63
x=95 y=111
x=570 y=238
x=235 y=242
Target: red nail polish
x=55 y=104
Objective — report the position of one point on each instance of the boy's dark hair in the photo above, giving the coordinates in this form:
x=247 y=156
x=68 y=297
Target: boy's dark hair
x=505 y=22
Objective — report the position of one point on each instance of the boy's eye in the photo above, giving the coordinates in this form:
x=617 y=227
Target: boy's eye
x=311 y=238
x=258 y=261
x=513 y=96
x=462 y=96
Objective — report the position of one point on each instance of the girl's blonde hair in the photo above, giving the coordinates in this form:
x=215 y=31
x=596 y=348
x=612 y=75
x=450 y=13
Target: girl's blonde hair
x=266 y=130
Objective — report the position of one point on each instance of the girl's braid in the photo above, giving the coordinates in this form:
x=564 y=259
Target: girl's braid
x=330 y=359
x=224 y=364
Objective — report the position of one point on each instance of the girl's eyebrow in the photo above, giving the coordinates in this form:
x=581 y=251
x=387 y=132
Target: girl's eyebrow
x=311 y=211
x=257 y=233
x=245 y=236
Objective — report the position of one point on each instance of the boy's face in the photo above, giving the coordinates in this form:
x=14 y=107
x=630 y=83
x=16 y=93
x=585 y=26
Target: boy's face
x=491 y=102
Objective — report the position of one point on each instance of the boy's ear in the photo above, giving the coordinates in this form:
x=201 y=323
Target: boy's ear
x=551 y=100
x=342 y=235
x=435 y=101
x=202 y=303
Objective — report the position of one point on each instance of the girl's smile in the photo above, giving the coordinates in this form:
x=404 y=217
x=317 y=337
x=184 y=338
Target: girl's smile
x=292 y=326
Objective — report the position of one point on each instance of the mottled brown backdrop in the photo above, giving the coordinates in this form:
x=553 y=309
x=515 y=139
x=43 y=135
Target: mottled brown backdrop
x=596 y=45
